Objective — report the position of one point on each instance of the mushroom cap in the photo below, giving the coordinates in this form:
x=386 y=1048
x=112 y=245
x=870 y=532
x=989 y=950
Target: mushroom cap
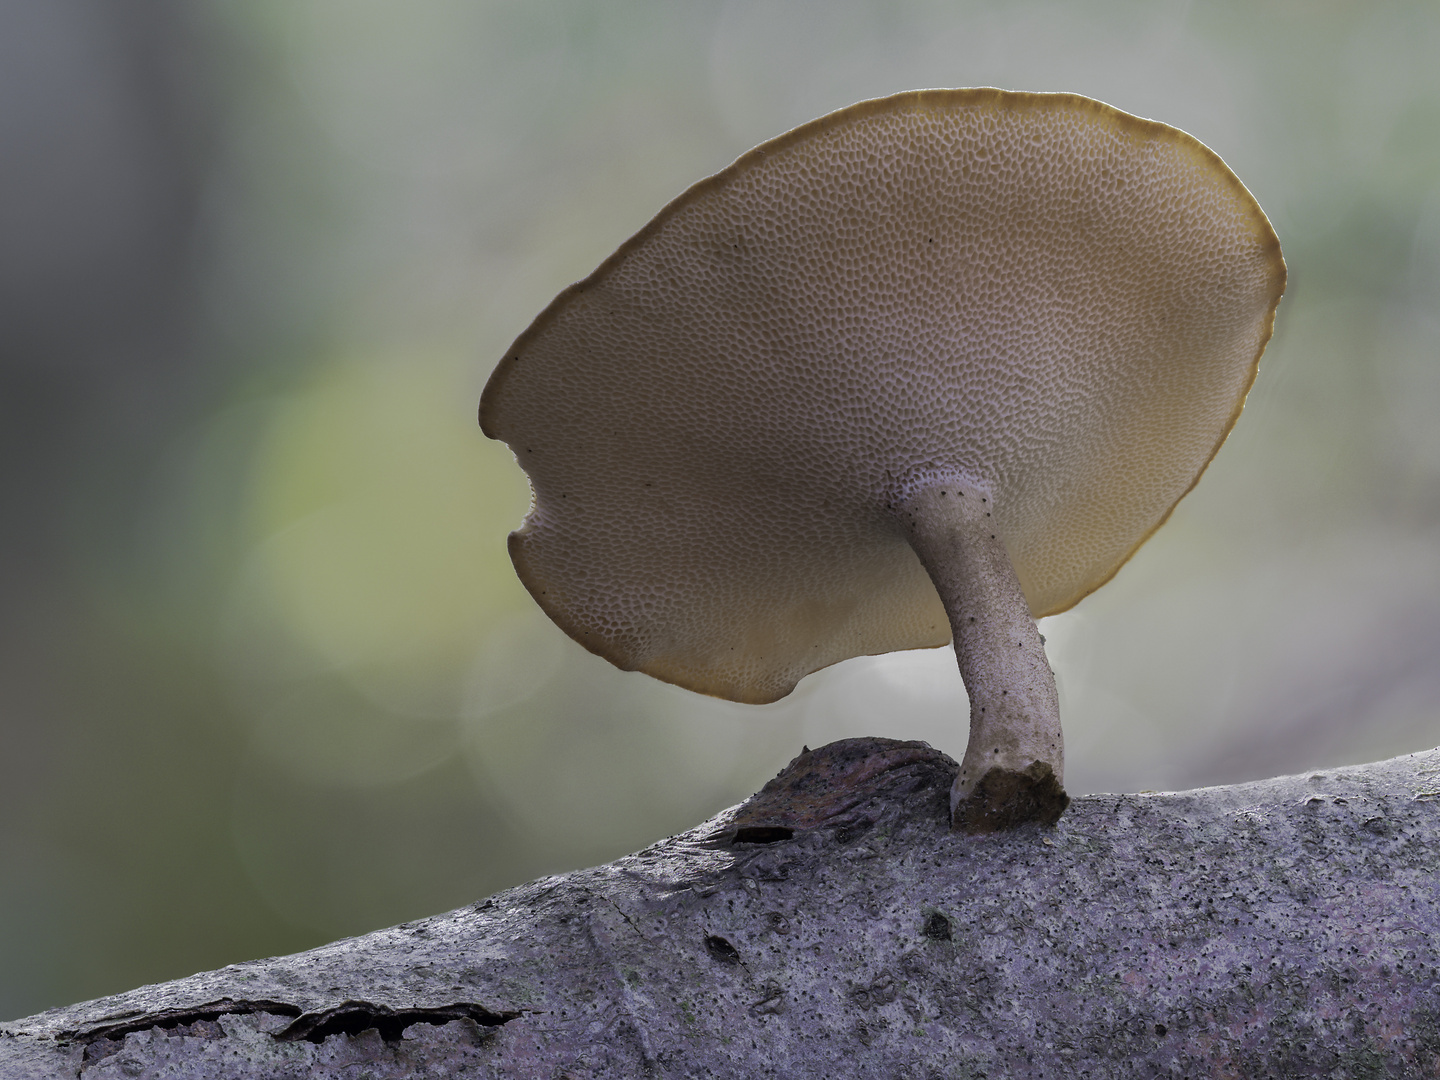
x=1055 y=301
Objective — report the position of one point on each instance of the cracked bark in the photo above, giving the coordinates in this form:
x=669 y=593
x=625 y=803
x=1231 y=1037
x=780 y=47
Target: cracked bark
x=833 y=926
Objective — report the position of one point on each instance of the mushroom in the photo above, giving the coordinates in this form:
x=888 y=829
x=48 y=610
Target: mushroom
x=924 y=369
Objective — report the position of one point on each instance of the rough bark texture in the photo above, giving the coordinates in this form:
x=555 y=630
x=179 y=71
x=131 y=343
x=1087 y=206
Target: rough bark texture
x=834 y=926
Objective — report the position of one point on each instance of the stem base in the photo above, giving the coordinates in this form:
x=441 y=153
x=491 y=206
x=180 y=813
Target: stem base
x=1005 y=798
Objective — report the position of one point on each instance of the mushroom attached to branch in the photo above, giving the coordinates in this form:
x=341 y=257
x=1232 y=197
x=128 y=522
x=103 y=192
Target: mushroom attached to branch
x=922 y=370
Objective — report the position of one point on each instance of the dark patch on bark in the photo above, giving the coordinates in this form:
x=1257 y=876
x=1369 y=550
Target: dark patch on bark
x=937 y=927
x=721 y=949
x=353 y=1017
x=125 y=1023
x=762 y=834
x=831 y=784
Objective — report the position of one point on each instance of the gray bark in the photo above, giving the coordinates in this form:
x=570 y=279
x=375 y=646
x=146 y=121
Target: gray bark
x=833 y=926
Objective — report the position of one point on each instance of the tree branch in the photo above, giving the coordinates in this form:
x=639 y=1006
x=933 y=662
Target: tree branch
x=833 y=926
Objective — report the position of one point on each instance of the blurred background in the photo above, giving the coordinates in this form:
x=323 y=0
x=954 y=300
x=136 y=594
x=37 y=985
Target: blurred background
x=266 y=676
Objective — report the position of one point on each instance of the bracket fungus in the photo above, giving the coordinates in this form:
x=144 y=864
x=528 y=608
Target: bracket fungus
x=922 y=370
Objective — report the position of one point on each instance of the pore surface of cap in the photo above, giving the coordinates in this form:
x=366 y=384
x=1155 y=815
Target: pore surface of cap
x=1055 y=301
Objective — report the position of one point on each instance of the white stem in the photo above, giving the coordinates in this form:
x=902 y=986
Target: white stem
x=1014 y=764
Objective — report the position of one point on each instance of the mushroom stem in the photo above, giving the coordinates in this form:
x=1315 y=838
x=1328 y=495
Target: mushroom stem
x=1014 y=764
